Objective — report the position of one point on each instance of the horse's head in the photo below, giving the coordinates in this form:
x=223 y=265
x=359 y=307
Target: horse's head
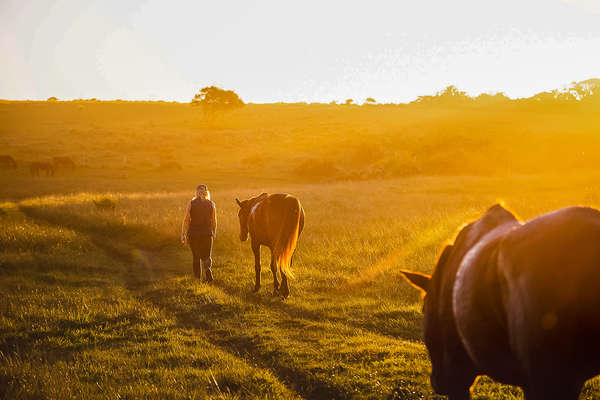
x=452 y=370
x=243 y=213
x=441 y=338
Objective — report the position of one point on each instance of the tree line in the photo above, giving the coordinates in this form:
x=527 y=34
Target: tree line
x=215 y=101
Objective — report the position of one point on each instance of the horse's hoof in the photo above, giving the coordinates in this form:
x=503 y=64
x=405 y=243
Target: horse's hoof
x=256 y=289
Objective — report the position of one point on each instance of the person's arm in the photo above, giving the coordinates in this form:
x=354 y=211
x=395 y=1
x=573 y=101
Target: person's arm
x=186 y=223
x=214 y=219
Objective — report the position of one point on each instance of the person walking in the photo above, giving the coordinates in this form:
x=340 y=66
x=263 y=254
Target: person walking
x=198 y=230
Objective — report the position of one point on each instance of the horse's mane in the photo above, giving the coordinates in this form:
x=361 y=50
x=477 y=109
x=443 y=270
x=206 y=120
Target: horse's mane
x=260 y=197
x=252 y=202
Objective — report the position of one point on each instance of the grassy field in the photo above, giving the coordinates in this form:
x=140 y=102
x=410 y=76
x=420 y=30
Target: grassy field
x=263 y=143
x=100 y=303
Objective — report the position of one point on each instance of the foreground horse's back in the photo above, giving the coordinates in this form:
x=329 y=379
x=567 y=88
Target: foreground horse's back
x=552 y=270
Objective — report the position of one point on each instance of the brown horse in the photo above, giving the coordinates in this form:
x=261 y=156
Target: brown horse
x=7 y=162
x=517 y=302
x=275 y=221
x=36 y=167
x=63 y=163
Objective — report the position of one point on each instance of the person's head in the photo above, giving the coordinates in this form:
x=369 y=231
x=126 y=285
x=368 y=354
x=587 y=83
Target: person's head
x=202 y=192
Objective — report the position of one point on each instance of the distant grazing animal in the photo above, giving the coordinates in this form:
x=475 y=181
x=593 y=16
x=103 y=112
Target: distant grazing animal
x=63 y=163
x=36 y=167
x=517 y=302
x=7 y=162
x=275 y=221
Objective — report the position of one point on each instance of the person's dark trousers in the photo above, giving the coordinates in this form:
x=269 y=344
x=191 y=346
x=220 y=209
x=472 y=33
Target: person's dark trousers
x=201 y=246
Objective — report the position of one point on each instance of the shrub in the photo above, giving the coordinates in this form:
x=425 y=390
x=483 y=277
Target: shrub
x=105 y=203
x=316 y=168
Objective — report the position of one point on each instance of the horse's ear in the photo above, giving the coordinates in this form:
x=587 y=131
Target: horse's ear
x=239 y=203
x=417 y=279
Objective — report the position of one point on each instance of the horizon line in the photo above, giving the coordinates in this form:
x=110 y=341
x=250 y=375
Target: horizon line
x=326 y=102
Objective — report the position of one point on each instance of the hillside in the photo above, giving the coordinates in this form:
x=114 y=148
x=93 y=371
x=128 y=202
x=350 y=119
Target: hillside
x=304 y=142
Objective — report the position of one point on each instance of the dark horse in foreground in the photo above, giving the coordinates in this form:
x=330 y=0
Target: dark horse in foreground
x=518 y=302
x=275 y=221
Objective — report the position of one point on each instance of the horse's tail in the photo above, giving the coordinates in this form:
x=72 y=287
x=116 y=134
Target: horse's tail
x=288 y=236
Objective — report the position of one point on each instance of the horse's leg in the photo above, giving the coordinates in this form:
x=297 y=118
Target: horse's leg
x=274 y=271
x=284 y=289
x=256 y=251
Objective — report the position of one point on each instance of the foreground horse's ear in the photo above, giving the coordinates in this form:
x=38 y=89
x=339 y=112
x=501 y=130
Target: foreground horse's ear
x=417 y=279
x=238 y=202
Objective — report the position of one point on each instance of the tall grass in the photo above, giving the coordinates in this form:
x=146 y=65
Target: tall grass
x=109 y=296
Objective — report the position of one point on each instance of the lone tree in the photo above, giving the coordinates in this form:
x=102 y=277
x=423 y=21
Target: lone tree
x=215 y=101
x=449 y=96
x=452 y=91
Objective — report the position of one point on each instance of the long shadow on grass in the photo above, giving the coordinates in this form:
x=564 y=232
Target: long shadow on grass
x=216 y=321
x=66 y=339
x=119 y=241
x=377 y=323
x=40 y=272
x=100 y=226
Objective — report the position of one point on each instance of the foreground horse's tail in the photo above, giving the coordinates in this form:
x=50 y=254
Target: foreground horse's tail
x=288 y=236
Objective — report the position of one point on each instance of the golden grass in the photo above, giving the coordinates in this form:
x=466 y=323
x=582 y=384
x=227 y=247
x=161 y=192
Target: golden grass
x=352 y=328
x=99 y=302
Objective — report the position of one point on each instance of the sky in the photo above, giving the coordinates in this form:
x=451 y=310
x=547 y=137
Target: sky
x=292 y=51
